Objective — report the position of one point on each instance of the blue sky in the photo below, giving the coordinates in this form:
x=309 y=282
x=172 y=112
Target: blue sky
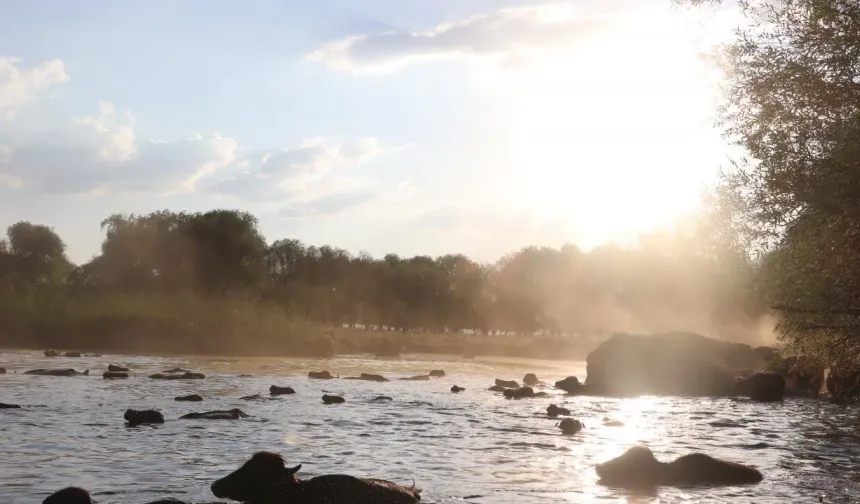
x=406 y=126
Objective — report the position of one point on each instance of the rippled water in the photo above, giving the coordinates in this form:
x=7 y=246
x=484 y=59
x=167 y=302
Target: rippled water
x=472 y=447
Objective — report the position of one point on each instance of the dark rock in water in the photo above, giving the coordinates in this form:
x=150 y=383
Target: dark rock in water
x=69 y=495
x=519 y=393
x=56 y=372
x=416 y=378
x=2 y=370
x=254 y=397
x=140 y=417
x=668 y=364
x=507 y=383
x=762 y=386
x=332 y=399
x=231 y=414
x=188 y=375
x=368 y=377
x=110 y=375
x=177 y=370
x=569 y=426
x=638 y=468
x=243 y=375
x=381 y=399
x=8 y=406
x=437 y=373
x=497 y=388
x=570 y=385
x=321 y=375
x=72 y=354
x=118 y=369
x=52 y=353
x=189 y=398
x=455 y=389
x=553 y=411
x=276 y=390
x=531 y=380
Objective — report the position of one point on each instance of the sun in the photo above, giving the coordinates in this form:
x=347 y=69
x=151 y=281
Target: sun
x=617 y=136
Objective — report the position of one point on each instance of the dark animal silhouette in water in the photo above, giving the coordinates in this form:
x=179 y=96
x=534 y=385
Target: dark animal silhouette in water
x=231 y=414
x=188 y=375
x=265 y=479
x=140 y=417
x=118 y=369
x=638 y=467
x=553 y=411
x=437 y=373
x=332 y=399
x=56 y=372
x=75 y=495
x=189 y=398
x=9 y=406
x=570 y=385
x=456 y=389
x=321 y=375
x=569 y=426
x=522 y=393
x=114 y=375
x=276 y=390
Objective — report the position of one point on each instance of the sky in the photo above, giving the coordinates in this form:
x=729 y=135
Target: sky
x=404 y=126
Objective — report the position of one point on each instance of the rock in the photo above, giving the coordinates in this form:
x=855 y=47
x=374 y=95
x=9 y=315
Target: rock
x=9 y=406
x=682 y=364
x=507 y=383
x=553 y=411
x=437 y=373
x=72 y=354
x=187 y=375
x=638 y=468
x=570 y=385
x=519 y=393
x=140 y=417
x=231 y=414
x=381 y=398
x=497 y=388
x=455 y=389
x=762 y=386
x=531 y=380
x=569 y=426
x=2 y=370
x=177 y=370
x=189 y=398
x=69 y=495
x=56 y=372
x=332 y=399
x=118 y=369
x=415 y=378
x=52 y=353
x=320 y=375
x=368 y=377
x=254 y=397
x=276 y=390
x=110 y=375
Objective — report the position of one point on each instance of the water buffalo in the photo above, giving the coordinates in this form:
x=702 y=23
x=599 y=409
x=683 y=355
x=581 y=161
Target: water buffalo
x=187 y=375
x=569 y=426
x=275 y=390
x=231 y=414
x=140 y=417
x=455 y=389
x=368 y=377
x=507 y=383
x=56 y=372
x=52 y=353
x=762 y=386
x=638 y=467
x=321 y=375
x=553 y=411
x=415 y=378
x=111 y=375
x=265 y=479
x=8 y=406
x=332 y=399
x=437 y=373
x=118 y=369
x=189 y=398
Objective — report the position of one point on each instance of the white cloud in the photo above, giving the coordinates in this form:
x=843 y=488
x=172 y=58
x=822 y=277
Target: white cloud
x=504 y=35
x=117 y=142
x=19 y=86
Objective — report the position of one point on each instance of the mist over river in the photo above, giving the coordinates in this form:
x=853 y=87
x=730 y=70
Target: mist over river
x=474 y=446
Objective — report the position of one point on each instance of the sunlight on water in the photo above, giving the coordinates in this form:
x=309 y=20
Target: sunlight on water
x=474 y=445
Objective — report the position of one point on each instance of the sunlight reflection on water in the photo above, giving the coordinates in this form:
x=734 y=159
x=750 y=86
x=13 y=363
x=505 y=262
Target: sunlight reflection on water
x=474 y=444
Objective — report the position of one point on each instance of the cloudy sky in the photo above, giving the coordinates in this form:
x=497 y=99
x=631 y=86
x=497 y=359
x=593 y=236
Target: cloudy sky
x=407 y=126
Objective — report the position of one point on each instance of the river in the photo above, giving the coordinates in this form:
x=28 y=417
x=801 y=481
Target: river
x=470 y=447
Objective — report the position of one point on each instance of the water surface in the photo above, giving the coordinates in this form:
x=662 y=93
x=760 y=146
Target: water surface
x=469 y=447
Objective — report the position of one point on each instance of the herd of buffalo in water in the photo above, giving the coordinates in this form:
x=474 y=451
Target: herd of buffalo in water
x=266 y=478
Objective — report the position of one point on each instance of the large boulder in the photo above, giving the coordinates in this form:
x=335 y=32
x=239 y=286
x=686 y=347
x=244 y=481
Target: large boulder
x=669 y=364
x=762 y=386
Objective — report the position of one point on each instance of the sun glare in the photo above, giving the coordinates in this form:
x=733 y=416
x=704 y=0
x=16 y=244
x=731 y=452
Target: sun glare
x=615 y=135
